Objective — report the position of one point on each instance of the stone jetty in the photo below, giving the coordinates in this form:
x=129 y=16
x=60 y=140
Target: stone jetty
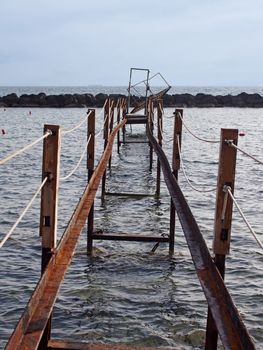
x=88 y=100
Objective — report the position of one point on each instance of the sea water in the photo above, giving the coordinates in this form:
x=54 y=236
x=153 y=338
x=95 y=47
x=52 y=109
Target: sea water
x=95 y=89
x=125 y=293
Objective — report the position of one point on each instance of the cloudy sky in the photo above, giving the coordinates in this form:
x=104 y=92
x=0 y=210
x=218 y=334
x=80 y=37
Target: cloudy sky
x=84 y=42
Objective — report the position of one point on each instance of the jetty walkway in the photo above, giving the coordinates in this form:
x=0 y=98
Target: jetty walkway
x=223 y=319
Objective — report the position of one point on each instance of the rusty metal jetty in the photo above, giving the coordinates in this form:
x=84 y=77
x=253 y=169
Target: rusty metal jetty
x=34 y=328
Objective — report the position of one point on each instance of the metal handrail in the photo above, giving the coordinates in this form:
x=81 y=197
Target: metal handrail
x=230 y=326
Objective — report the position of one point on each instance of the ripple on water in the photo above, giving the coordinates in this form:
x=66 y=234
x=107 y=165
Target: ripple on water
x=124 y=293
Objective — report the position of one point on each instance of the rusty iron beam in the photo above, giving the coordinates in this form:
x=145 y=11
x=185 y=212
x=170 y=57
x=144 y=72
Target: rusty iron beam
x=29 y=330
x=129 y=194
x=129 y=238
x=230 y=326
x=135 y=142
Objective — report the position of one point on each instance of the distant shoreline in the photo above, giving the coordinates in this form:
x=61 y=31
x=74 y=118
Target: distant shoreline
x=86 y=100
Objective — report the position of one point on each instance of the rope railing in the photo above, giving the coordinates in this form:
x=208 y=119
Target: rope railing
x=64 y=132
x=23 y=213
x=102 y=127
x=78 y=164
x=160 y=128
x=25 y=148
x=186 y=177
x=64 y=178
x=231 y=144
x=227 y=189
x=194 y=135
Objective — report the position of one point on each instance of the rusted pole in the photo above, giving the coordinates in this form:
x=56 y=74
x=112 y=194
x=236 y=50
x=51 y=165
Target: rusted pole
x=223 y=217
x=90 y=167
x=105 y=136
x=118 y=120
x=178 y=114
x=151 y=116
x=111 y=120
x=49 y=206
x=125 y=110
x=160 y=138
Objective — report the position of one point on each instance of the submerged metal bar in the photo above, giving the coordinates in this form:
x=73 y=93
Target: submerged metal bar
x=231 y=328
x=30 y=328
x=127 y=194
x=129 y=238
x=134 y=142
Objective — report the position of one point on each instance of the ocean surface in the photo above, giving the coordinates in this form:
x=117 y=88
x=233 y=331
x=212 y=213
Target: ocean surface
x=49 y=90
x=125 y=293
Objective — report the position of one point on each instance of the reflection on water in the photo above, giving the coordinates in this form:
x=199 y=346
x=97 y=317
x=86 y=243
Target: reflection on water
x=124 y=293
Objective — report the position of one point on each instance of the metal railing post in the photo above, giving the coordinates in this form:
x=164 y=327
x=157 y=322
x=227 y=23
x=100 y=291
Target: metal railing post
x=111 y=121
x=119 y=103
x=175 y=169
x=90 y=167
x=160 y=138
x=223 y=217
x=49 y=206
x=151 y=119
x=105 y=136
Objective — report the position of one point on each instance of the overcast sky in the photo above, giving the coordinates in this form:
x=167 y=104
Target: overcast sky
x=84 y=42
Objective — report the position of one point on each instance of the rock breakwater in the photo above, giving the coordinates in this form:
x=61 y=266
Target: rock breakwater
x=88 y=100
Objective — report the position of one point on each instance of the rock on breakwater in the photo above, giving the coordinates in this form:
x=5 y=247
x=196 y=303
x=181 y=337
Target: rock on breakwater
x=88 y=100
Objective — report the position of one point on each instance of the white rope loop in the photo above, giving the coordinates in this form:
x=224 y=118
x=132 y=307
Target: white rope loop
x=194 y=135
x=78 y=164
x=64 y=132
x=187 y=179
x=104 y=123
x=64 y=178
x=228 y=189
x=23 y=213
x=231 y=144
x=11 y=156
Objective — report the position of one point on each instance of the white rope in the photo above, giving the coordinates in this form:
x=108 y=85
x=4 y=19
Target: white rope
x=76 y=167
x=187 y=179
x=163 y=131
x=160 y=127
x=197 y=137
x=101 y=129
x=228 y=189
x=4 y=160
x=22 y=214
x=64 y=132
x=231 y=143
x=109 y=121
